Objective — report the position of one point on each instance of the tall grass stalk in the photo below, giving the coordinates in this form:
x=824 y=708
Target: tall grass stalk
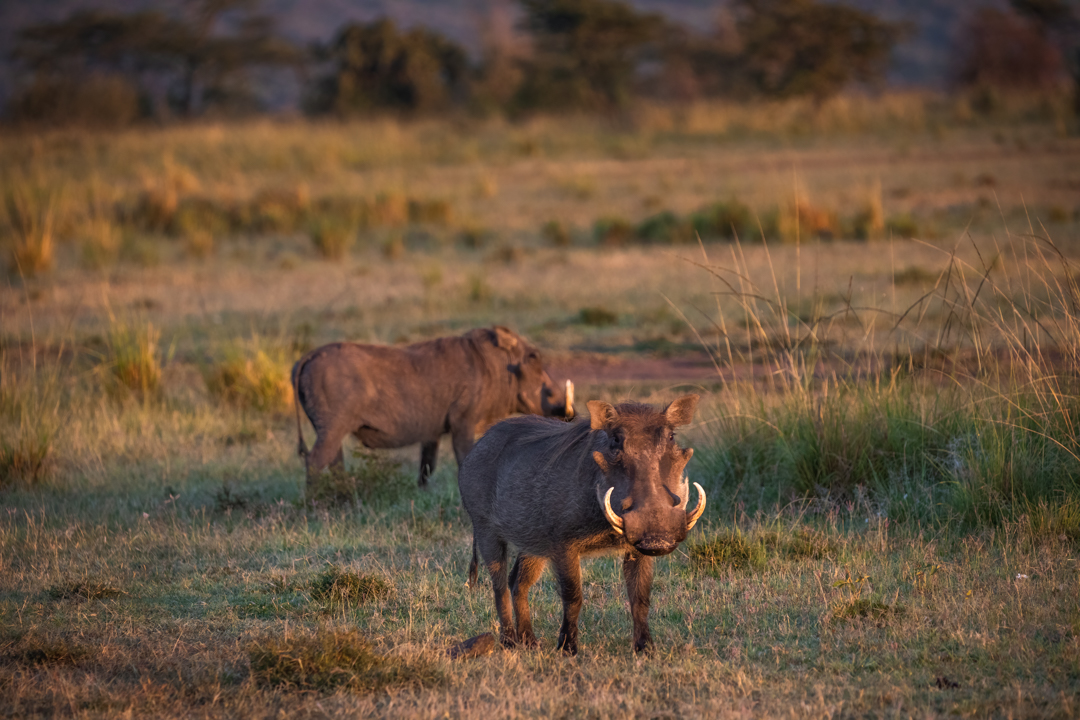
x=31 y=208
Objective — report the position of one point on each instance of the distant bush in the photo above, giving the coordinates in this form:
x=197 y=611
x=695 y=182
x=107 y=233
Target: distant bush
x=332 y=237
x=97 y=101
x=665 y=228
x=613 y=231
x=597 y=316
x=726 y=220
x=555 y=233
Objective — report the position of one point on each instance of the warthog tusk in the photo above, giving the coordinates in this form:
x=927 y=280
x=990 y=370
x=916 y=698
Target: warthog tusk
x=695 y=514
x=614 y=520
x=569 y=399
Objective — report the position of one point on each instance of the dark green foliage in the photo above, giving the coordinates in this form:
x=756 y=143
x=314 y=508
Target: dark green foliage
x=806 y=47
x=613 y=232
x=902 y=226
x=556 y=233
x=586 y=53
x=597 y=316
x=375 y=67
x=665 y=228
x=1000 y=49
x=202 y=67
x=337 y=587
x=334 y=659
x=726 y=220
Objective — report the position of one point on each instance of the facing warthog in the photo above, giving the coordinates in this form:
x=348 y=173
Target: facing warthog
x=558 y=492
x=395 y=396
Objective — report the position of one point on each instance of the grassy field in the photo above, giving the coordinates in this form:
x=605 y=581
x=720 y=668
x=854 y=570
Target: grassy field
x=887 y=434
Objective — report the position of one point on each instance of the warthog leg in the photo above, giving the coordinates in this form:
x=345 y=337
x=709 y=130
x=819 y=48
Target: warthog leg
x=638 y=575
x=525 y=573
x=567 y=568
x=429 y=452
x=493 y=550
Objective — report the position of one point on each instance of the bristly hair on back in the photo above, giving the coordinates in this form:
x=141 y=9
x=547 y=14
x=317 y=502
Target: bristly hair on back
x=569 y=440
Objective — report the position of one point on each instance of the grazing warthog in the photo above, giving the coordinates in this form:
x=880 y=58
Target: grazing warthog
x=395 y=396
x=549 y=488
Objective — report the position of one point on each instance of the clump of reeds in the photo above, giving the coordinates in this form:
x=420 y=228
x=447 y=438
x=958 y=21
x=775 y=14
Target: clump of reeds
x=132 y=364
x=32 y=210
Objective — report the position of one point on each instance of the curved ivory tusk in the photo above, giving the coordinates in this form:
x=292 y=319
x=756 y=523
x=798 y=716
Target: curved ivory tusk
x=569 y=399
x=694 y=515
x=614 y=520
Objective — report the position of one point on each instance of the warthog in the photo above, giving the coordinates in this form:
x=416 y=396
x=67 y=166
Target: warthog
x=548 y=488
x=395 y=396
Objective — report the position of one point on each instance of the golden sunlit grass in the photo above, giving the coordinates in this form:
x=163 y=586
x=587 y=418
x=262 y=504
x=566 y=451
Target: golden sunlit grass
x=887 y=436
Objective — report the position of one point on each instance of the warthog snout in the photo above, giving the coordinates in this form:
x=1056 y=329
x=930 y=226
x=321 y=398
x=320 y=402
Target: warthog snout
x=659 y=531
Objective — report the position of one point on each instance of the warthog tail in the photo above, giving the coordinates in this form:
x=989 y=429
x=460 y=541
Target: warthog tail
x=296 y=370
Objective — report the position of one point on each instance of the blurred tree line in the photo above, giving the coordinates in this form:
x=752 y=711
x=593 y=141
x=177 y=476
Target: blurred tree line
x=110 y=69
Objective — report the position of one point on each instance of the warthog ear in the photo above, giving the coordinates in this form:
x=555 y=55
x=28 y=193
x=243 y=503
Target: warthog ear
x=601 y=414
x=504 y=338
x=681 y=411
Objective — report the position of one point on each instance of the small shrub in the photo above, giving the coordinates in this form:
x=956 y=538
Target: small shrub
x=332 y=660
x=555 y=233
x=100 y=245
x=280 y=209
x=597 y=316
x=903 y=226
x=430 y=212
x=200 y=215
x=804 y=221
x=250 y=381
x=475 y=237
x=727 y=220
x=32 y=211
x=390 y=209
x=665 y=227
x=337 y=587
x=332 y=238
x=132 y=363
x=478 y=290
x=613 y=232
x=199 y=245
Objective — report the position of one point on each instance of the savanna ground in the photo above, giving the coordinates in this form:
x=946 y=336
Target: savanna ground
x=887 y=434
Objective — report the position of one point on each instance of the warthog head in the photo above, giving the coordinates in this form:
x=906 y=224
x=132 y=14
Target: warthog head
x=537 y=393
x=645 y=494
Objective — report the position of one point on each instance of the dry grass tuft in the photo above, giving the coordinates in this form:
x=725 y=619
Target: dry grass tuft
x=334 y=659
x=32 y=214
x=34 y=650
x=332 y=237
x=344 y=588
x=249 y=380
x=133 y=363
x=731 y=550
x=84 y=590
